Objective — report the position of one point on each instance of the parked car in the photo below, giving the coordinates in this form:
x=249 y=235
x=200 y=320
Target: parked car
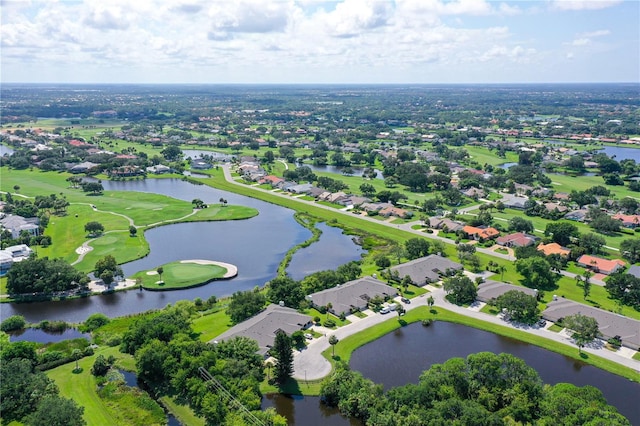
x=542 y=323
x=308 y=336
x=405 y=300
x=385 y=310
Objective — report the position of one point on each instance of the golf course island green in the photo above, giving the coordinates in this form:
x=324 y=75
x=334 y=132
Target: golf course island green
x=184 y=274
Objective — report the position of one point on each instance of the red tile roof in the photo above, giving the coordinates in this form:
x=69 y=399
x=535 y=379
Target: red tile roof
x=553 y=248
x=605 y=266
x=484 y=233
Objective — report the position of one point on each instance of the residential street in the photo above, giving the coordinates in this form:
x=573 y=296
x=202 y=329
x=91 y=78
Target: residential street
x=309 y=363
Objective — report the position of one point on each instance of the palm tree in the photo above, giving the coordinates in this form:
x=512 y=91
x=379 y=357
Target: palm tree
x=328 y=307
x=333 y=341
x=76 y=354
x=502 y=269
x=160 y=270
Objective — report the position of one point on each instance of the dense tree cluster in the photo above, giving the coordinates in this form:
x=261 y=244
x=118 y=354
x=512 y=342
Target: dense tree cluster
x=483 y=389
x=32 y=398
x=168 y=356
x=460 y=289
x=520 y=306
x=43 y=275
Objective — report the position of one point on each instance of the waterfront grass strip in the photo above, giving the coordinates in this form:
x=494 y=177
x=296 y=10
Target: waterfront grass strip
x=345 y=348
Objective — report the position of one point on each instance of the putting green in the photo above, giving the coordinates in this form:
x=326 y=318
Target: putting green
x=185 y=274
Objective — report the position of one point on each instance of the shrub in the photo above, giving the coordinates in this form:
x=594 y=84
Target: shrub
x=95 y=321
x=114 y=340
x=329 y=323
x=15 y=322
x=316 y=319
x=53 y=326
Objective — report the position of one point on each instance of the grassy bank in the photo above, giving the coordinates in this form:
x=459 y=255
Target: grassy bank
x=345 y=347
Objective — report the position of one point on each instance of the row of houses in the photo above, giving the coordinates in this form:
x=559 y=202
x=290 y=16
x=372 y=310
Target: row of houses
x=252 y=171
x=610 y=324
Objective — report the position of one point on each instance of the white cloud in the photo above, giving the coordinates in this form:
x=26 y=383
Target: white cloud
x=599 y=33
x=249 y=16
x=352 y=17
x=583 y=4
x=584 y=39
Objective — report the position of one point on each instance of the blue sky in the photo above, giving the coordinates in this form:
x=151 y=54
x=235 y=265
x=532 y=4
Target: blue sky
x=315 y=41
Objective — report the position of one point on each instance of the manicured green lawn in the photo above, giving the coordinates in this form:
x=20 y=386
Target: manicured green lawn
x=483 y=156
x=541 y=224
x=115 y=209
x=488 y=309
x=555 y=328
x=211 y=325
x=82 y=387
x=564 y=183
x=178 y=275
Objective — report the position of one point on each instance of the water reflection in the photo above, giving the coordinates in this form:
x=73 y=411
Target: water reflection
x=307 y=411
x=398 y=358
x=332 y=250
x=256 y=246
x=40 y=336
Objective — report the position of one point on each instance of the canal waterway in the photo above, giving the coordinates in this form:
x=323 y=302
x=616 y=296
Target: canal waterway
x=256 y=246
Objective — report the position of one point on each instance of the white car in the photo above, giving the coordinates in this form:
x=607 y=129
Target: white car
x=385 y=310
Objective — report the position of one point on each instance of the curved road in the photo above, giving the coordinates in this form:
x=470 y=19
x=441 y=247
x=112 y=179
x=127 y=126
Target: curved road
x=309 y=364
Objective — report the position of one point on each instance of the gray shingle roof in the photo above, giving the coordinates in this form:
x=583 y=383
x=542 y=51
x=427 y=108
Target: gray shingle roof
x=263 y=326
x=610 y=324
x=493 y=289
x=353 y=294
x=634 y=270
x=426 y=269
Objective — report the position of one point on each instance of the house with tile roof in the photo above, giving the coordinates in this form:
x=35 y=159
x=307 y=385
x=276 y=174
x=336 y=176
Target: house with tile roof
x=518 y=239
x=490 y=289
x=600 y=265
x=628 y=220
x=554 y=248
x=481 y=233
x=426 y=269
x=351 y=296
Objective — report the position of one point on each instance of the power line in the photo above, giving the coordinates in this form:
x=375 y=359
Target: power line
x=222 y=391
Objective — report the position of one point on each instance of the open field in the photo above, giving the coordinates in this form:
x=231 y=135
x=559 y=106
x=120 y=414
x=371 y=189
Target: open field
x=211 y=325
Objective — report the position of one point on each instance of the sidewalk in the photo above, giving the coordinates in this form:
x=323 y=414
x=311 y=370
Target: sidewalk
x=309 y=363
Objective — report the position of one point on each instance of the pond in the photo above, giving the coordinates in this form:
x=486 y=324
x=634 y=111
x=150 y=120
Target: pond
x=5 y=150
x=200 y=153
x=400 y=357
x=40 y=336
x=620 y=153
x=256 y=246
x=306 y=410
x=357 y=171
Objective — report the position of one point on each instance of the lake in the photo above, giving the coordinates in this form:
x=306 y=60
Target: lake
x=256 y=246
x=399 y=357
x=620 y=153
x=41 y=336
